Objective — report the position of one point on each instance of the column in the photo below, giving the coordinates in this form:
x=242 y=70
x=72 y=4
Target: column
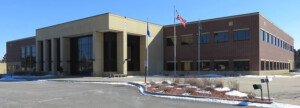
x=143 y=54
x=122 y=52
x=38 y=56
x=65 y=54
x=54 y=56
x=98 y=53
x=46 y=54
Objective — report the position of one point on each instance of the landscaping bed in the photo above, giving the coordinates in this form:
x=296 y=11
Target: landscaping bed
x=202 y=88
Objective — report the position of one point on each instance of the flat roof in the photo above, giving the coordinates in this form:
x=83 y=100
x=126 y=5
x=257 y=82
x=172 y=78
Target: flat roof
x=92 y=17
x=21 y=39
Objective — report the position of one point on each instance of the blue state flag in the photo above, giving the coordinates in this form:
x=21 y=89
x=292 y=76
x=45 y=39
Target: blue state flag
x=148 y=32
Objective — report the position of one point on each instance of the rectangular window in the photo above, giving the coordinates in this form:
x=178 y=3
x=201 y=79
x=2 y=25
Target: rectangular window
x=275 y=66
x=241 y=35
x=267 y=65
x=204 y=66
x=186 y=66
x=170 y=66
x=262 y=35
x=23 y=52
x=241 y=65
x=204 y=38
x=221 y=37
x=278 y=66
x=170 y=41
x=33 y=56
x=268 y=38
x=271 y=39
x=271 y=65
x=275 y=41
x=278 y=42
x=187 y=40
x=262 y=65
x=221 y=65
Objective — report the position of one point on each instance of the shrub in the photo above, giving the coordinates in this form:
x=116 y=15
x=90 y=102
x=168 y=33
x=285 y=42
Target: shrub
x=162 y=87
x=152 y=83
x=190 y=90
x=208 y=89
x=165 y=82
x=218 y=83
x=191 y=81
x=166 y=89
x=206 y=82
x=182 y=86
x=177 y=80
x=234 y=85
x=251 y=95
x=156 y=86
x=174 y=84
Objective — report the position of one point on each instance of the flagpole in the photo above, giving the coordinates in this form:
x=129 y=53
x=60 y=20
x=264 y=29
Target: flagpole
x=174 y=42
x=147 y=50
x=199 y=40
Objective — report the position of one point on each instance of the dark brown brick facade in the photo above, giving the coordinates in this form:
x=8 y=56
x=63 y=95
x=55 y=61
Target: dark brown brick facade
x=13 y=48
x=249 y=49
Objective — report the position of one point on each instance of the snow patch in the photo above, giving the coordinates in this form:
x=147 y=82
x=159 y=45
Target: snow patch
x=222 y=89
x=236 y=93
x=204 y=92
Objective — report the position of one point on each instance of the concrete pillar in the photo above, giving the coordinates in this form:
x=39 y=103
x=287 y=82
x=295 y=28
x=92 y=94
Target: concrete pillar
x=98 y=53
x=38 y=56
x=65 y=55
x=54 y=56
x=122 y=52
x=46 y=54
x=143 y=54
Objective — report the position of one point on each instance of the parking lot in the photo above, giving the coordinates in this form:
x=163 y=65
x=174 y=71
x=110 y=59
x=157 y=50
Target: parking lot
x=37 y=94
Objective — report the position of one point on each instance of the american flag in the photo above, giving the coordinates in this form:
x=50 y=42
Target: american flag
x=183 y=21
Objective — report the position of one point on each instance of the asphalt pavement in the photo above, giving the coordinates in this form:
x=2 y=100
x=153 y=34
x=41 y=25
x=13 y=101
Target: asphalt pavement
x=34 y=94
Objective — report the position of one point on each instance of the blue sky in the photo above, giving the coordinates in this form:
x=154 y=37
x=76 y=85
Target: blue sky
x=20 y=18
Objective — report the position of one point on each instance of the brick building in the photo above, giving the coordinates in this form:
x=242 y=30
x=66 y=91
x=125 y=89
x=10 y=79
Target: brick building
x=108 y=44
x=242 y=44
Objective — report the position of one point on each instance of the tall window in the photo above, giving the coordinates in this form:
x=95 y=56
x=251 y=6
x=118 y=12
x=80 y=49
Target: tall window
x=262 y=35
x=241 y=35
x=221 y=37
x=187 y=40
x=268 y=38
x=267 y=65
x=262 y=65
x=275 y=41
x=23 y=60
x=241 y=65
x=186 y=66
x=170 y=41
x=271 y=65
x=221 y=65
x=278 y=42
x=28 y=58
x=271 y=39
x=170 y=66
x=204 y=65
x=204 y=38
x=33 y=56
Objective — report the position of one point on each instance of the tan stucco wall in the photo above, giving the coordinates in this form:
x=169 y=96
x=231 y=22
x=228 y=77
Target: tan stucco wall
x=3 y=68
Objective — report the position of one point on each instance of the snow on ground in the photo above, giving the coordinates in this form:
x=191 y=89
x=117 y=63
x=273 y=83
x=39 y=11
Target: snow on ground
x=185 y=94
x=23 y=78
x=222 y=89
x=232 y=102
x=236 y=93
x=204 y=92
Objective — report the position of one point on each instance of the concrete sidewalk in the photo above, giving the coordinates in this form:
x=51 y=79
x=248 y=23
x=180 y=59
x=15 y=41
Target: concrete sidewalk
x=284 y=90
